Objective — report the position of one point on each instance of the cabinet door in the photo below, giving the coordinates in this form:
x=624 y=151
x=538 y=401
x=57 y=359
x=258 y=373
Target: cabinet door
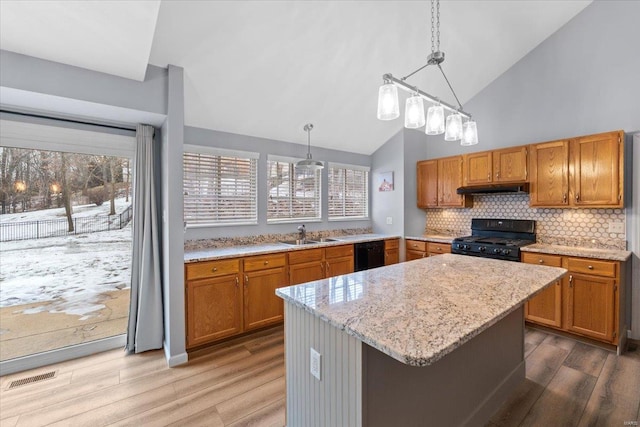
x=590 y=306
x=427 y=174
x=214 y=309
x=411 y=255
x=549 y=166
x=306 y=272
x=597 y=170
x=261 y=305
x=449 y=179
x=338 y=266
x=546 y=307
x=477 y=168
x=510 y=165
x=438 y=248
x=391 y=256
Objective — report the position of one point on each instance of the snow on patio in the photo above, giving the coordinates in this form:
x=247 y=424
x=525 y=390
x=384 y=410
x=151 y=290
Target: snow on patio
x=66 y=274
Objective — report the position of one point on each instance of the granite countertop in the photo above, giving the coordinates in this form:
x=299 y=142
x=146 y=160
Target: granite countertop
x=270 y=248
x=609 y=254
x=419 y=311
x=436 y=238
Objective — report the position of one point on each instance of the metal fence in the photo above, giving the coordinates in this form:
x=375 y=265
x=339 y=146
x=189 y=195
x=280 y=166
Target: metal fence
x=60 y=227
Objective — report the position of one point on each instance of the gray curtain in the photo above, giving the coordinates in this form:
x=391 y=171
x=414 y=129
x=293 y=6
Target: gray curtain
x=145 y=331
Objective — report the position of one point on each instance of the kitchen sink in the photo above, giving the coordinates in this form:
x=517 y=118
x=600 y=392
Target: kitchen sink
x=328 y=239
x=299 y=242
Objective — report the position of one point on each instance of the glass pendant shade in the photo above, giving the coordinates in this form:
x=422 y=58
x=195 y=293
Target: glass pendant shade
x=435 y=120
x=414 y=112
x=469 y=133
x=454 y=127
x=388 y=108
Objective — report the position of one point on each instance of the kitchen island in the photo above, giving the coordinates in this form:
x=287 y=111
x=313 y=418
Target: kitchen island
x=436 y=341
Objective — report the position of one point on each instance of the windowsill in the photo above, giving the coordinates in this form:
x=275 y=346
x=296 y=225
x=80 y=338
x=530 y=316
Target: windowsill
x=292 y=221
x=207 y=225
x=350 y=218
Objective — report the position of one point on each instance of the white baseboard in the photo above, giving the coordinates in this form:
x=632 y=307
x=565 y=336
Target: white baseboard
x=55 y=356
x=176 y=360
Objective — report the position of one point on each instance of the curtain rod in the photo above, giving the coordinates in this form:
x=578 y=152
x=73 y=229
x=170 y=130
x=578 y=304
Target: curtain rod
x=41 y=116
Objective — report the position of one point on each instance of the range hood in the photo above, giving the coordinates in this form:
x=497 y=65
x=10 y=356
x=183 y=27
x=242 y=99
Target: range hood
x=495 y=188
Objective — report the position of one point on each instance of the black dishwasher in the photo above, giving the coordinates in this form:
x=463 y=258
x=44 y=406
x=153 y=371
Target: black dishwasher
x=369 y=255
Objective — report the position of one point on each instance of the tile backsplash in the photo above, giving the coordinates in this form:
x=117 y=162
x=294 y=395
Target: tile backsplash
x=573 y=227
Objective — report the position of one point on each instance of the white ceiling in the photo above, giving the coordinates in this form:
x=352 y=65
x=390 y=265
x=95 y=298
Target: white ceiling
x=265 y=68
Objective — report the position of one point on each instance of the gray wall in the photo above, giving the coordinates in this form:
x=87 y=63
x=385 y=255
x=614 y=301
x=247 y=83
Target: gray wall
x=389 y=158
x=415 y=149
x=46 y=77
x=206 y=137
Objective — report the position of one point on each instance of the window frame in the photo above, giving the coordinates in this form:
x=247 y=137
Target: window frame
x=348 y=167
x=253 y=158
x=291 y=161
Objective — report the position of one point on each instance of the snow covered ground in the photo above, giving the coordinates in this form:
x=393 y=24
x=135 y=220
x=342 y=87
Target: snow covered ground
x=66 y=274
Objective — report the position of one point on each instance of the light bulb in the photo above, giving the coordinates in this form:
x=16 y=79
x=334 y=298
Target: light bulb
x=414 y=112
x=469 y=133
x=454 y=127
x=435 y=120
x=388 y=108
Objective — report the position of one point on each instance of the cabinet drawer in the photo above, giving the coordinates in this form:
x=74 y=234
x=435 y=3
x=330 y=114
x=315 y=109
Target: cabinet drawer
x=542 y=259
x=392 y=244
x=438 y=248
x=591 y=266
x=339 y=251
x=201 y=270
x=264 y=261
x=307 y=255
x=416 y=245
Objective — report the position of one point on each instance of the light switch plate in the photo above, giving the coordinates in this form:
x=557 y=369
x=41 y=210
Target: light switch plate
x=616 y=227
x=389 y=220
x=315 y=365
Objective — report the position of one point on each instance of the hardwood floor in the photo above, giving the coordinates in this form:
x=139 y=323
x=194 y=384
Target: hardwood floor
x=241 y=383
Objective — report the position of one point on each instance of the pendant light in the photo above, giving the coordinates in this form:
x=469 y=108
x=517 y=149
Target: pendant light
x=309 y=164
x=453 y=129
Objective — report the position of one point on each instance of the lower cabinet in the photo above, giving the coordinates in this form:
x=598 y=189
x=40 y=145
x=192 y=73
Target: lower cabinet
x=415 y=249
x=214 y=301
x=315 y=264
x=391 y=251
x=262 y=276
x=434 y=248
x=585 y=302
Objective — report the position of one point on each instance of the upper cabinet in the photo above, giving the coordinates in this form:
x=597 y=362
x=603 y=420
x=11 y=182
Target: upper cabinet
x=438 y=181
x=582 y=172
x=497 y=166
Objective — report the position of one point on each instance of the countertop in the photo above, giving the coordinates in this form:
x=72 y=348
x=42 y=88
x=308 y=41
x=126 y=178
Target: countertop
x=436 y=238
x=419 y=311
x=609 y=254
x=269 y=248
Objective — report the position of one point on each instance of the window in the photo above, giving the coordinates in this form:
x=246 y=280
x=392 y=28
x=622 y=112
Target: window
x=348 y=192
x=293 y=194
x=219 y=186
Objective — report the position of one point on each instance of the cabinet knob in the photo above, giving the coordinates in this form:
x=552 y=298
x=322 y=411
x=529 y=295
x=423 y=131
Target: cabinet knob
x=489 y=177
x=415 y=245
x=541 y=261
x=577 y=197
x=564 y=198
x=215 y=269
x=590 y=267
x=498 y=174
x=571 y=281
x=266 y=262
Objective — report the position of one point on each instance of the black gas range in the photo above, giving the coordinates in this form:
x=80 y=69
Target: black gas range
x=496 y=238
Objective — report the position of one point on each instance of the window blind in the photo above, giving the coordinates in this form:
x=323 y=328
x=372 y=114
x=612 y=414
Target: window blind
x=348 y=192
x=220 y=189
x=293 y=194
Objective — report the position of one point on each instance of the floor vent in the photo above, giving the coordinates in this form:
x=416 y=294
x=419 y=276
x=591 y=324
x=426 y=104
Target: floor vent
x=31 y=380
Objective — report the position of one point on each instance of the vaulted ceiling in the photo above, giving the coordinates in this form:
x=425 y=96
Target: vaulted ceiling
x=265 y=68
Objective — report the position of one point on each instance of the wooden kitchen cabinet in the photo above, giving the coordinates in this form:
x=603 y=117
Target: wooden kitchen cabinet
x=391 y=251
x=434 y=248
x=582 y=172
x=427 y=174
x=477 y=168
x=262 y=276
x=338 y=260
x=510 y=164
x=438 y=181
x=415 y=249
x=585 y=302
x=319 y=263
x=213 y=301
x=546 y=307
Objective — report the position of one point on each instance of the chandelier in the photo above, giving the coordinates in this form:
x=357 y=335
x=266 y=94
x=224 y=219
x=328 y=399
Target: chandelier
x=414 y=117
x=309 y=164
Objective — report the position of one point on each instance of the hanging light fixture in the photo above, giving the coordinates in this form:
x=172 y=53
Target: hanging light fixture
x=309 y=164
x=388 y=107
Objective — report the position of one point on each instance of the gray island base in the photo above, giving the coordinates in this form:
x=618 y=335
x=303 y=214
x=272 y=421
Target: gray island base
x=437 y=341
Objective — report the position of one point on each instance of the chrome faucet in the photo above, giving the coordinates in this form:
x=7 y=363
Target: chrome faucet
x=302 y=233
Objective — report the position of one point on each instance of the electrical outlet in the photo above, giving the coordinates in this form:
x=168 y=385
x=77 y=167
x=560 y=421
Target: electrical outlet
x=315 y=365
x=616 y=227
x=389 y=220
